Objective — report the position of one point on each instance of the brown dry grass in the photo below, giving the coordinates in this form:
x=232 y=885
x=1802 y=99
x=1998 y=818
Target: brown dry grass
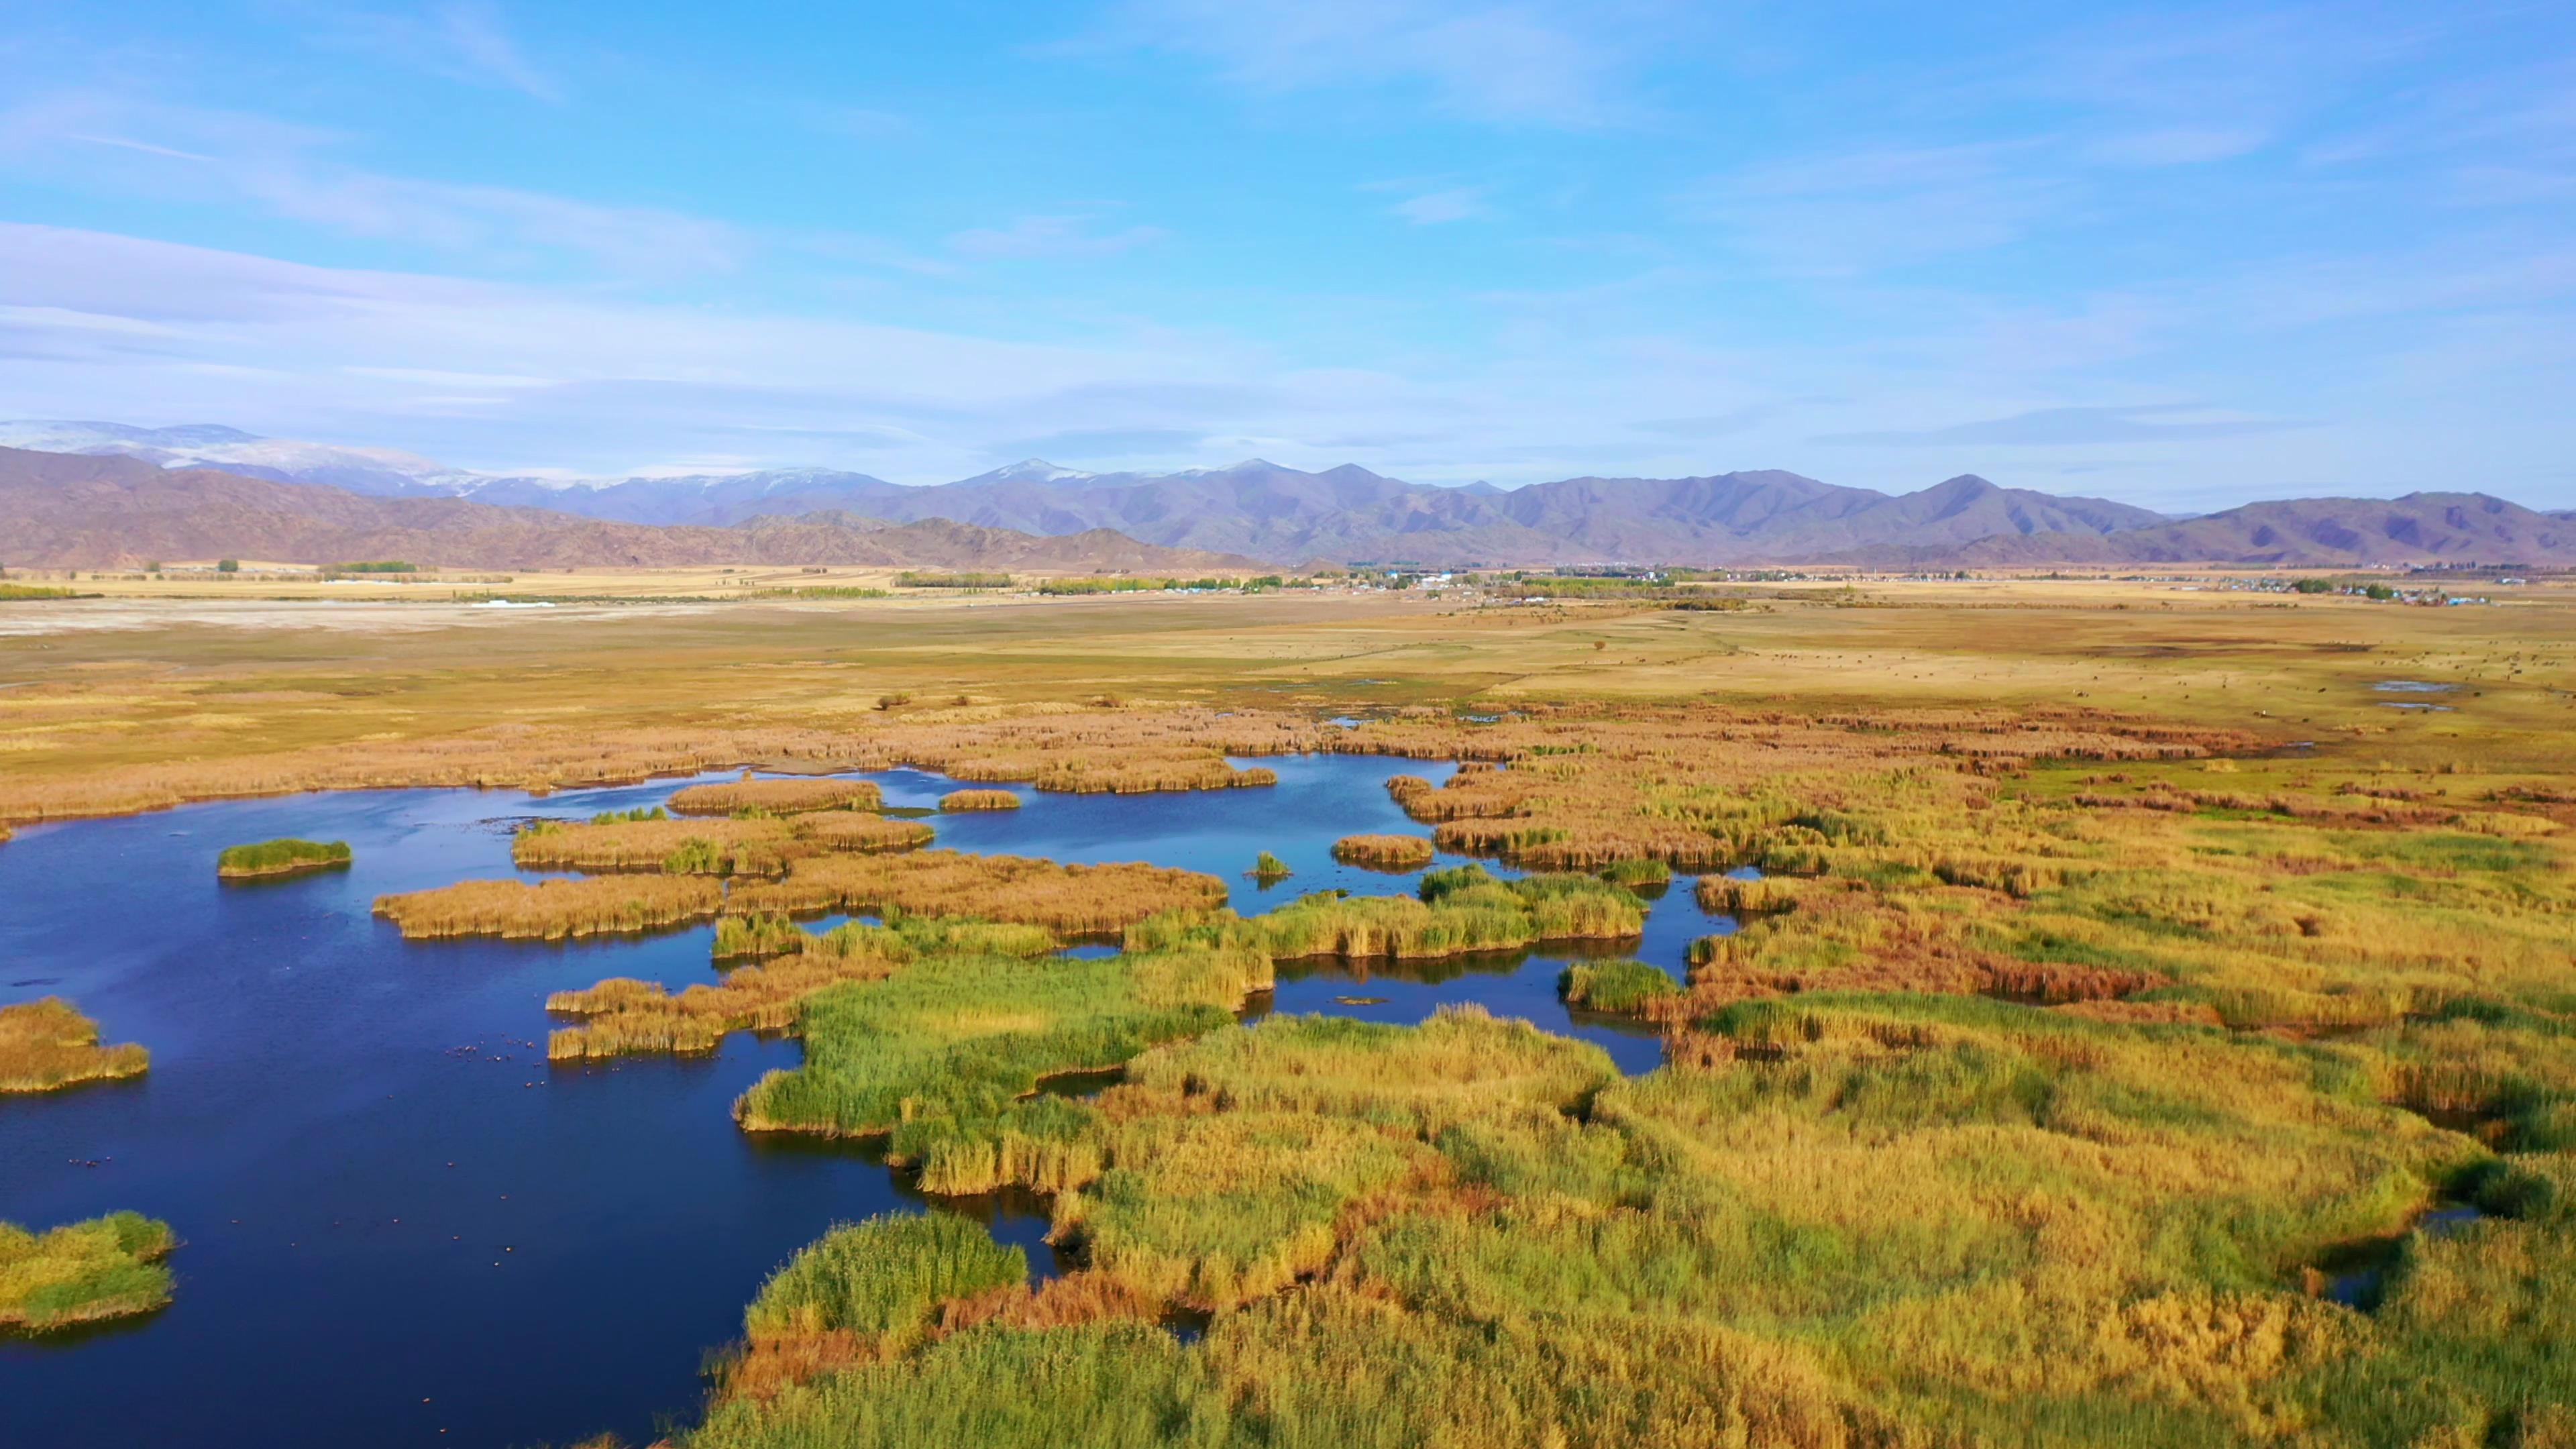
x=777 y=797
x=856 y=831
x=979 y=800
x=733 y=847
x=47 y=1043
x=1069 y=899
x=554 y=909
x=1384 y=852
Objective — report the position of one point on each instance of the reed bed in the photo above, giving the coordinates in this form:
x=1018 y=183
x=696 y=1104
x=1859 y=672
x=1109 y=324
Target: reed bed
x=1400 y=854
x=1460 y=912
x=762 y=847
x=979 y=800
x=281 y=857
x=777 y=797
x=47 y=1044
x=85 y=1272
x=1070 y=899
x=626 y=1016
x=554 y=909
x=1616 y=986
x=854 y=831
x=946 y=1054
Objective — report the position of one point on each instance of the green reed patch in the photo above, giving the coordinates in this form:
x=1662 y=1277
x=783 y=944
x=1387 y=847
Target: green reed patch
x=281 y=857
x=85 y=1272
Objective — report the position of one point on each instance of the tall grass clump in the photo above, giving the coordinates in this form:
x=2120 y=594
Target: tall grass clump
x=554 y=909
x=979 y=800
x=779 y=797
x=625 y=1015
x=1636 y=873
x=678 y=847
x=1267 y=867
x=1461 y=912
x=1071 y=899
x=47 y=1043
x=884 y=1279
x=856 y=831
x=941 y=1054
x=280 y=857
x=1615 y=986
x=1397 y=853
x=85 y=1272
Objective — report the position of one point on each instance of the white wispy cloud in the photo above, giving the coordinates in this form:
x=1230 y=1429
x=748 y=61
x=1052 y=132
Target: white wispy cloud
x=468 y=41
x=1031 y=237
x=1432 y=208
x=1539 y=61
x=104 y=141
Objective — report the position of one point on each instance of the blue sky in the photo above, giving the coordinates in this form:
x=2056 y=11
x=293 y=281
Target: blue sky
x=2180 y=256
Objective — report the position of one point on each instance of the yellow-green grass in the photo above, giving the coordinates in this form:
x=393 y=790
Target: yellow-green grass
x=1462 y=912
x=625 y=1015
x=281 y=857
x=777 y=797
x=1070 y=899
x=945 y=1055
x=1397 y=853
x=1857 y=1219
x=46 y=1044
x=85 y=1272
x=1615 y=986
x=979 y=800
x=554 y=909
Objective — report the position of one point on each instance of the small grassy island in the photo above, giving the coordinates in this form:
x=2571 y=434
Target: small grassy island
x=281 y=857
x=979 y=800
x=1383 y=852
x=85 y=1272
x=47 y=1043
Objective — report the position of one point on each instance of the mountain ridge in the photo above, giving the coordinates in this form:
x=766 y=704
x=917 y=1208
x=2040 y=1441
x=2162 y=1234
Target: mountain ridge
x=1259 y=510
x=66 y=510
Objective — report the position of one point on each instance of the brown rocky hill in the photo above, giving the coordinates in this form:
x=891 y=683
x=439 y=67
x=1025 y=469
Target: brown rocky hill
x=2420 y=528
x=61 y=510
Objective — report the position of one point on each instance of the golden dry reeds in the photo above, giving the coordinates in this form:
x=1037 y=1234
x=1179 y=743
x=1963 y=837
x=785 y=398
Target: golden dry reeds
x=854 y=830
x=1396 y=853
x=1070 y=899
x=979 y=800
x=554 y=909
x=722 y=847
x=46 y=1044
x=627 y=1015
x=777 y=797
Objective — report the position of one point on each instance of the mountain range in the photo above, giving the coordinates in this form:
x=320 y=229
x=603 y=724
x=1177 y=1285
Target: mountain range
x=1285 y=516
x=62 y=510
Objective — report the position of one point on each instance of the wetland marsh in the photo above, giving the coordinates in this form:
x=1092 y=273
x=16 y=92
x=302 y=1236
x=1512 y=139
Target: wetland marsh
x=2134 y=1033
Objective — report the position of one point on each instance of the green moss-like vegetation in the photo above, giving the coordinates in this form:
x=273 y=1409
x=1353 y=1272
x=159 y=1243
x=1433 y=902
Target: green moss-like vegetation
x=85 y=1272
x=281 y=857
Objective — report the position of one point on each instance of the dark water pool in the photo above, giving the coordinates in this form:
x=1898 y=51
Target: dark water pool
x=399 y=1225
